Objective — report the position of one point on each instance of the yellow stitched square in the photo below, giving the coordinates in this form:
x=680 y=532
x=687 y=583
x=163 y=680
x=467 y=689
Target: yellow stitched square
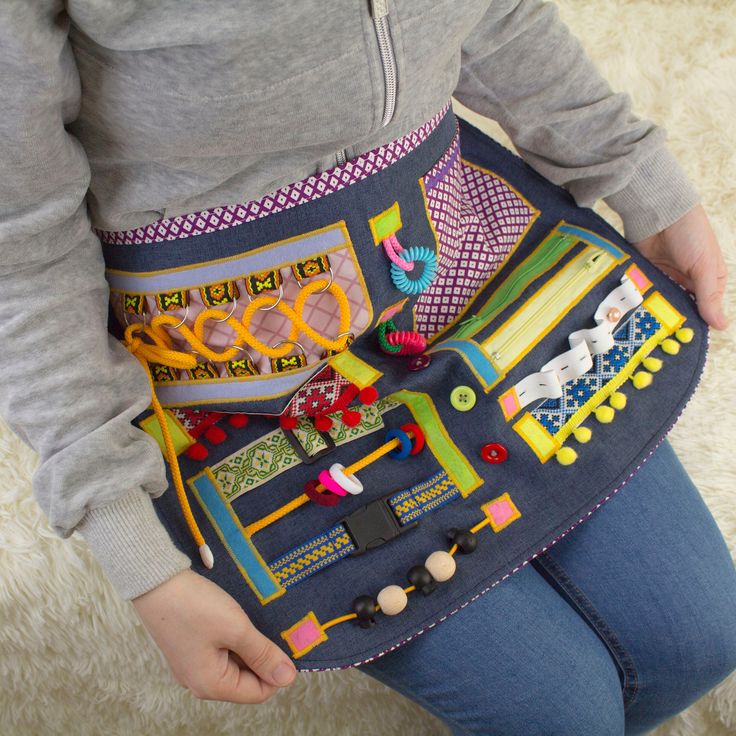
x=304 y=635
x=501 y=512
x=386 y=223
x=181 y=438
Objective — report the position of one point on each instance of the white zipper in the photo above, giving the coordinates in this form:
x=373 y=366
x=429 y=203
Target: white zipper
x=379 y=11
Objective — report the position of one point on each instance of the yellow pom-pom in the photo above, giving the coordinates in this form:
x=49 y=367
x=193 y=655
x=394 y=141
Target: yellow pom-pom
x=641 y=379
x=582 y=434
x=617 y=400
x=684 y=334
x=652 y=364
x=566 y=456
x=605 y=414
x=670 y=346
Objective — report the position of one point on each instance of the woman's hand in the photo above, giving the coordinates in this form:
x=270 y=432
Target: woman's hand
x=688 y=251
x=211 y=645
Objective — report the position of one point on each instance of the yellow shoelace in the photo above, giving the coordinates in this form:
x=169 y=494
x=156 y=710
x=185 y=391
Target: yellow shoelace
x=161 y=351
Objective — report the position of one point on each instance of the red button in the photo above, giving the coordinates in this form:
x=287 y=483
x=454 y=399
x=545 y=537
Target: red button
x=494 y=452
x=419 y=362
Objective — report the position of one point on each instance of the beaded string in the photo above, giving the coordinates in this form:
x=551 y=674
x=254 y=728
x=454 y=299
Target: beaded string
x=409 y=589
x=295 y=503
x=163 y=352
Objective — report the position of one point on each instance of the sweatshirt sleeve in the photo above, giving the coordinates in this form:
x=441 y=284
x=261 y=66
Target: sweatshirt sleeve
x=69 y=390
x=522 y=67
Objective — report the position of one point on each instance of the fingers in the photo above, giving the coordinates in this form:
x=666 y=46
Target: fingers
x=709 y=284
x=262 y=656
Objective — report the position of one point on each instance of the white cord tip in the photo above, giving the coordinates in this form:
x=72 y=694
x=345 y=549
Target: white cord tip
x=207 y=558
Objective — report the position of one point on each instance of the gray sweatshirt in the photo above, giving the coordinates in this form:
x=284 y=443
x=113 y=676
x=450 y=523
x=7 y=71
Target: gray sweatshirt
x=116 y=113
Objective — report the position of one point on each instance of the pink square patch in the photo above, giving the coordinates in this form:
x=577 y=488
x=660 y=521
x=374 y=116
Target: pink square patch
x=501 y=512
x=304 y=635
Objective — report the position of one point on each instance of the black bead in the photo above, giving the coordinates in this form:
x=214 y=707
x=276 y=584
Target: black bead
x=364 y=606
x=421 y=579
x=465 y=540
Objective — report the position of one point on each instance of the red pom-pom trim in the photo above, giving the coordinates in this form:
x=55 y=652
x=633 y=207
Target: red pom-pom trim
x=197 y=452
x=287 y=423
x=351 y=418
x=368 y=395
x=215 y=435
x=323 y=423
x=238 y=420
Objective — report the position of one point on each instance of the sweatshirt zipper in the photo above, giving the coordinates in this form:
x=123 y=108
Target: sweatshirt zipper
x=379 y=11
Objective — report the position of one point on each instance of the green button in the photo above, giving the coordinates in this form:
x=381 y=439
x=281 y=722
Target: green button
x=462 y=398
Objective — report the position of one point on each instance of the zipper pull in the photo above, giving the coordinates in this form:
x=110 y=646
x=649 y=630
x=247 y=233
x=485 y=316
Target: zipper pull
x=379 y=9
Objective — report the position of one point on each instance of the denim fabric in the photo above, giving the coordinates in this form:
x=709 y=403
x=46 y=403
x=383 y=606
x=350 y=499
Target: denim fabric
x=552 y=498
x=619 y=626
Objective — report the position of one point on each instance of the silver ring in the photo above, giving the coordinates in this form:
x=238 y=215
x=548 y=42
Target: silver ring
x=183 y=319
x=290 y=342
x=322 y=291
x=268 y=309
x=246 y=351
x=125 y=318
x=235 y=304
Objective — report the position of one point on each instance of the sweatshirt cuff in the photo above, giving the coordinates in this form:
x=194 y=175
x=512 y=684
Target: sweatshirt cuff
x=658 y=194
x=131 y=544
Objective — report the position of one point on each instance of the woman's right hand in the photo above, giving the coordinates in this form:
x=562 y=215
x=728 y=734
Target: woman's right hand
x=211 y=645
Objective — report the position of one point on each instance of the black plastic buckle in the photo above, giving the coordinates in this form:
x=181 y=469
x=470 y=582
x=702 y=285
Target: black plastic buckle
x=374 y=525
x=299 y=449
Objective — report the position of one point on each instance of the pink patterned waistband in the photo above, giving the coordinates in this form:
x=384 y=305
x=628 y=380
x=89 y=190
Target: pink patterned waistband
x=291 y=195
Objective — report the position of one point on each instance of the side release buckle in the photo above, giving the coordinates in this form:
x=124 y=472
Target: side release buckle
x=373 y=525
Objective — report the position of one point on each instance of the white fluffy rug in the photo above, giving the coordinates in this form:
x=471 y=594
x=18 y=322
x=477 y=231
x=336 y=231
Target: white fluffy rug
x=75 y=660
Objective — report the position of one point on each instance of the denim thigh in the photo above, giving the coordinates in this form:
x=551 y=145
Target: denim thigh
x=624 y=622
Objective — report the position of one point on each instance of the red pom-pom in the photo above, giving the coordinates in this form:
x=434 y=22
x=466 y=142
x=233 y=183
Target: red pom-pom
x=368 y=395
x=323 y=423
x=215 y=435
x=238 y=420
x=351 y=418
x=287 y=423
x=197 y=452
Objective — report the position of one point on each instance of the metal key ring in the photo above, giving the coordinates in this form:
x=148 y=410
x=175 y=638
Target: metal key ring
x=235 y=304
x=125 y=318
x=268 y=309
x=183 y=319
x=322 y=291
x=290 y=342
x=245 y=350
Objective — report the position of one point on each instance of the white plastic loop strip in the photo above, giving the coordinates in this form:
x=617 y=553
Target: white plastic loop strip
x=584 y=344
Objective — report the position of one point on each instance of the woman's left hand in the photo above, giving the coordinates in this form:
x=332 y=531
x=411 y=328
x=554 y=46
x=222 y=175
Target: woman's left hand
x=688 y=251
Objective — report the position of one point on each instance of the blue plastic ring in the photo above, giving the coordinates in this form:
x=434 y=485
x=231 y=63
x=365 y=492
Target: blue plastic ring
x=415 y=286
x=400 y=453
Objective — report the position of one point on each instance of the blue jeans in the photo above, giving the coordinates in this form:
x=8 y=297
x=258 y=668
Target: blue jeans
x=623 y=623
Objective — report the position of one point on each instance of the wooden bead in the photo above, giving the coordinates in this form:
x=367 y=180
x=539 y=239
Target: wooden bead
x=392 y=600
x=441 y=565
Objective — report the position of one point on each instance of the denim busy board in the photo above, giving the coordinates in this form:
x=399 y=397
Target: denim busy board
x=395 y=383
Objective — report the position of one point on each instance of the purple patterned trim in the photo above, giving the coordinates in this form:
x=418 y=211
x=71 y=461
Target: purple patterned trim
x=307 y=190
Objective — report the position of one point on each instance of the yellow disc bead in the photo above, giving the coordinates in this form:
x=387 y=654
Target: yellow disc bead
x=566 y=456
x=605 y=414
x=641 y=379
x=684 y=334
x=652 y=364
x=617 y=400
x=582 y=434
x=670 y=346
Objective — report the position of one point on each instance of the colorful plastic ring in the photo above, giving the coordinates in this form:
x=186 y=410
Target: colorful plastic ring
x=331 y=484
x=400 y=453
x=494 y=452
x=385 y=345
x=349 y=482
x=321 y=499
x=412 y=286
x=418 y=443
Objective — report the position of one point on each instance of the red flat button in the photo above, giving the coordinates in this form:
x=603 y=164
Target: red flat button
x=419 y=362
x=494 y=452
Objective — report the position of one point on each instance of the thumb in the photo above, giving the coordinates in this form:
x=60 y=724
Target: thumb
x=262 y=656
x=709 y=285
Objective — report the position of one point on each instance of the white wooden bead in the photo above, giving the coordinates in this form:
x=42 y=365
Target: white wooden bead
x=441 y=565
x=392 y=600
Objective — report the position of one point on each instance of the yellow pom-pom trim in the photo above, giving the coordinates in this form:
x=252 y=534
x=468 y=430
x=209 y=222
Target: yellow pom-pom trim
x=685 y=334
x=641 y=379
x=617 y=400
x=566 y=456
x=582 y=434
x=670 y=346
x=652 y=364
x=605 y=414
